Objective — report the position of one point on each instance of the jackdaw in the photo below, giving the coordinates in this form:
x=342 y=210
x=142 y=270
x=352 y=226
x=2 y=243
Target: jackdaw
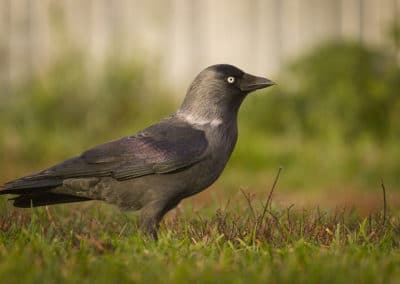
x=159 y=166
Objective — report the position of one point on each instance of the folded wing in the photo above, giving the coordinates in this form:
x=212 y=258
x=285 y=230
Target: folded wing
x=162 y=148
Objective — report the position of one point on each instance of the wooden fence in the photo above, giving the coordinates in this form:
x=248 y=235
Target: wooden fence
x=182 y=36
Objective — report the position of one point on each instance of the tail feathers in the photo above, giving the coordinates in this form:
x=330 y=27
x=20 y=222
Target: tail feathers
x=25 y=190
x=25 y=185
x=46 y=198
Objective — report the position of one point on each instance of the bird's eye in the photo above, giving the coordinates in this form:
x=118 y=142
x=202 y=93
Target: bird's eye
x=230 y=79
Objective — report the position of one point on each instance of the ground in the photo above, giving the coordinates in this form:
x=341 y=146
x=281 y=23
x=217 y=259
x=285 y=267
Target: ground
x=240 y=239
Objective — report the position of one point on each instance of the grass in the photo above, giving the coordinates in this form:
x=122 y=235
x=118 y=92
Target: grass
x=243 y=241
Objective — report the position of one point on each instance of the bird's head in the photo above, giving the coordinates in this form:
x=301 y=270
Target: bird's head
x=219 y=90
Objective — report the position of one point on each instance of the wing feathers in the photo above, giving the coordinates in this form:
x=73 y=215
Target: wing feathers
x=161 y=148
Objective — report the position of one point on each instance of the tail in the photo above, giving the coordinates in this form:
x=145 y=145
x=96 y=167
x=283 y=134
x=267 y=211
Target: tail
x=26 y=184
x=46 y=198
x=35 y=190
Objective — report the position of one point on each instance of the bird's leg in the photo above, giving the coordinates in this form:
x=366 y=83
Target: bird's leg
x=150 y=223
x=150 y=218
x=152 y=214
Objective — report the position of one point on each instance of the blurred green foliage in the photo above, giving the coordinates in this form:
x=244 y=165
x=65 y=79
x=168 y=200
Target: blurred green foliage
x=340 y=88
x=331 y=121
x=64 y=110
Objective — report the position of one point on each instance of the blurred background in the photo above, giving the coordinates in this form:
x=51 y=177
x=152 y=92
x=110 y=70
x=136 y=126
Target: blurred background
x=74 y=74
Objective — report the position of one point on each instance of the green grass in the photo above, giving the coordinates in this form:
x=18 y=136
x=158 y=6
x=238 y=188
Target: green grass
x=95 y=243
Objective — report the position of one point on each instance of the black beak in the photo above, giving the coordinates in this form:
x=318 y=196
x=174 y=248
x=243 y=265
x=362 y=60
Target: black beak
x=251 y=83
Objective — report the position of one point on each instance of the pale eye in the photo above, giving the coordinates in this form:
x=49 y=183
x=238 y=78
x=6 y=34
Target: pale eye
x=230 y=79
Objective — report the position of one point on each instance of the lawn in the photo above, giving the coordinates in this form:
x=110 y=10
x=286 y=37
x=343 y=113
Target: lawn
x=242 y=241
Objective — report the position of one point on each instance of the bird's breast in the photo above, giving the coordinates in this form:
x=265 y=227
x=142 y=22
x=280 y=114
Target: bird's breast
x=221 y=141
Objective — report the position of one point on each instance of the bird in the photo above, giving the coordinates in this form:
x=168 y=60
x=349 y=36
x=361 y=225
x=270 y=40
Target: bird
x=154 y=169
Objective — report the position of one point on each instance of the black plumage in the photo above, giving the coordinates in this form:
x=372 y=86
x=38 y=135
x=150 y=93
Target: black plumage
x=159 y=166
